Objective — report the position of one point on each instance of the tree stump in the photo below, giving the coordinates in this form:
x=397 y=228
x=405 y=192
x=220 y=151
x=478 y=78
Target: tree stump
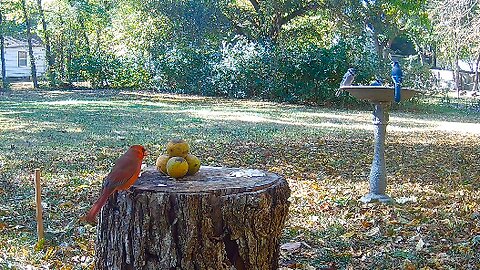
x=220 y=218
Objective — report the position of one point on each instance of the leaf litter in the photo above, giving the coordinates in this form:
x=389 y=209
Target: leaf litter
x=431 y=173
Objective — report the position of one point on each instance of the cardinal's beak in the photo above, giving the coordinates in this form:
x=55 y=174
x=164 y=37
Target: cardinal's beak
x=146 y=153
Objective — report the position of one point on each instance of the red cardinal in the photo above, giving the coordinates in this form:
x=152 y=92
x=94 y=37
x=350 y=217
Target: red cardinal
x=122 y=176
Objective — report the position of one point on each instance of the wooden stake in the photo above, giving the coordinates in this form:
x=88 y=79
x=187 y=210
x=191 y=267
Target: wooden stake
x=38 y=200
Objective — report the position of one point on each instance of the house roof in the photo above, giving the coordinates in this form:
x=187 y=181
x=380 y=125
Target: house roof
x=11 y=42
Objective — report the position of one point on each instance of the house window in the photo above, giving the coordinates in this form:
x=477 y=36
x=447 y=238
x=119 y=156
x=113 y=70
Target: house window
x=22 y=59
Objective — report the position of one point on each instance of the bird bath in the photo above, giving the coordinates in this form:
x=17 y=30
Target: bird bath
x=381 y=98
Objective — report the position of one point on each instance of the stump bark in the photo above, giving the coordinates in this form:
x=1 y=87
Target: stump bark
x=220 y=218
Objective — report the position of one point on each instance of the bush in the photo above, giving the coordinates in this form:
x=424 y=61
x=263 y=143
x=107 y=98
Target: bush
x=183 y=69
x=304 y=74
x=109 y=71
x=127 y=73
x=296 y=73
x=416 y=75
x=241 y=70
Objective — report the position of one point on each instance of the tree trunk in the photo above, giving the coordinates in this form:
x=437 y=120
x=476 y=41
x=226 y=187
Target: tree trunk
x=61 y=57
x=420 y=52
x=2 y=54
x=378 y=46
x=68 y=64
x=217 y=219
x=97 y=45
x=456 y=75
x=61 y=52
x=48 y=50
x=84 y=32
x=30 y=48
x=477 y=74
x=387 y=48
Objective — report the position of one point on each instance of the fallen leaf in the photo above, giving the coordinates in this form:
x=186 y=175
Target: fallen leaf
x=67 y=204
x=476 y=240
x=409 y=266
x=366 y=224
x=324 y=206
x=291 y=247
x=414 y=222
x=403 y=200
x=348 y=234
x=373 y=231
x=420 y=244
x=49 y=253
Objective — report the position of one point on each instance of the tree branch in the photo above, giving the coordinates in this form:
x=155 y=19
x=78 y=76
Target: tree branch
x=238 y=28
x=242 y=31
x=299 y=12
x=255 y=5
x=279 y=21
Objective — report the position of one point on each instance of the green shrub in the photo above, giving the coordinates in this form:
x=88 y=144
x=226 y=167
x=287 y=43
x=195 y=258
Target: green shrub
x=416 y=75
x=305 y=74
x=241 y=70
x=293 y=72
x=109 y=71
x=183 y=69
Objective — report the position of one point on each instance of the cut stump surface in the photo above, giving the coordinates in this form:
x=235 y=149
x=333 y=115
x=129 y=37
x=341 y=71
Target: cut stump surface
x=219 y=218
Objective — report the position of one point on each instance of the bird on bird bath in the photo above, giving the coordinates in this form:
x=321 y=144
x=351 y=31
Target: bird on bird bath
x=397 y=75
x=346 y=80
x=376 y=82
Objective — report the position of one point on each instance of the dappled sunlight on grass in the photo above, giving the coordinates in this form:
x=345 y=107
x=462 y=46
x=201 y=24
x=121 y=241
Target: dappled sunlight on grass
x=413 y=125
x=457 y=127
x=166 y=97
x=7 y=124
x=72 y=102
x=256 y=117
x=324 y=154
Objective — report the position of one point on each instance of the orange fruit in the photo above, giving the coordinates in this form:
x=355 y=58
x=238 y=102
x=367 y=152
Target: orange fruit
x=177 y=148
x=161 y=163
x=193 y=164
x=177 y=167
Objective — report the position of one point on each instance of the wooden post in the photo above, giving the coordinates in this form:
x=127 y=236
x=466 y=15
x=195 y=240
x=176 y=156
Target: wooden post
x=38 y=201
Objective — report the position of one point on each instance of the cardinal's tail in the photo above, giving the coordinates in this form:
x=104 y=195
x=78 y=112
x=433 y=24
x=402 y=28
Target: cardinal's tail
x=90 y=217
x=397 y=92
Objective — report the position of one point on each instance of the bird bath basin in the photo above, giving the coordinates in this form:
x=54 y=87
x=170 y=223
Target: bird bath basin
x=377 y=93
x=381 y=98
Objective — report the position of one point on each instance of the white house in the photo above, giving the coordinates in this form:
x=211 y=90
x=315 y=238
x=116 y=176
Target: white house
x=17 y=60
x=444 y=78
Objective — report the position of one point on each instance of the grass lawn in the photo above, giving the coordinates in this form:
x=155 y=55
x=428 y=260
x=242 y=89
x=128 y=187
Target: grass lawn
x=433 y=163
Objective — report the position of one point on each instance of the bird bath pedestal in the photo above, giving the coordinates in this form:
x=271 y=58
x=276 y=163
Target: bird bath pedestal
x=381 y=98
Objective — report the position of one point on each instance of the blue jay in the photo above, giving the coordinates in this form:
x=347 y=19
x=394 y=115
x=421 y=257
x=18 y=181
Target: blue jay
x=397 y=80
x=376 y=82
x=348 y=77
x=346 y=80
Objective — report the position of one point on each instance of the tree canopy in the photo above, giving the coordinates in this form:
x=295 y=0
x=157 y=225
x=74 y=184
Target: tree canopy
x=288 y=50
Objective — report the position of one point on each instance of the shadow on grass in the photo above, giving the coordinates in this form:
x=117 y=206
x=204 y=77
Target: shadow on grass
x=75 y=137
